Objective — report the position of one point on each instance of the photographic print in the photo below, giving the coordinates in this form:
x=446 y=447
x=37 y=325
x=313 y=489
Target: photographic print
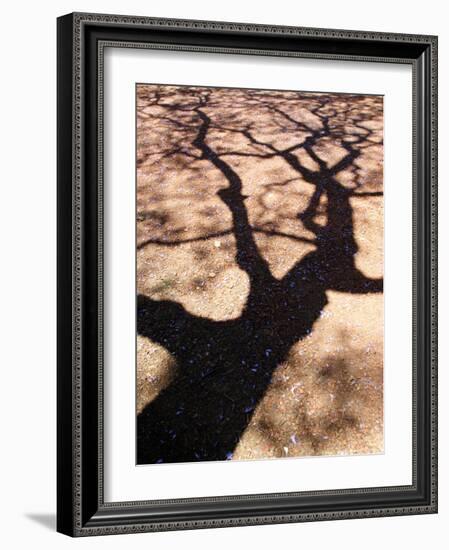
x=260 y=236
x=234 y=200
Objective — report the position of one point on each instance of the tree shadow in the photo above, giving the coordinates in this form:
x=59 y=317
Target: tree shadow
x=225 y=367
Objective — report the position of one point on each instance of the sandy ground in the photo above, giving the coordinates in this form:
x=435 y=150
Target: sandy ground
x=325 y=395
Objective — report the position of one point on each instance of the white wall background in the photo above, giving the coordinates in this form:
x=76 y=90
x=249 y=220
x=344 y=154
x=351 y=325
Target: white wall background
x=28 y=282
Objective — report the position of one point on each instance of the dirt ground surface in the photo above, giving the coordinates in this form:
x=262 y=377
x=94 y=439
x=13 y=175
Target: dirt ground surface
x=259 y=273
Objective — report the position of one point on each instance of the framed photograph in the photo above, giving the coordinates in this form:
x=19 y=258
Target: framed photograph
x=247 y=283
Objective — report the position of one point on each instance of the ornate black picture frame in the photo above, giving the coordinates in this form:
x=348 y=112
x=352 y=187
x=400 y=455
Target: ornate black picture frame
x=81 y=509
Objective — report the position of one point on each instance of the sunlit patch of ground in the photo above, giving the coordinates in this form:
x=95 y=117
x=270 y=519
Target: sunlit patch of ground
x=326 y=399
